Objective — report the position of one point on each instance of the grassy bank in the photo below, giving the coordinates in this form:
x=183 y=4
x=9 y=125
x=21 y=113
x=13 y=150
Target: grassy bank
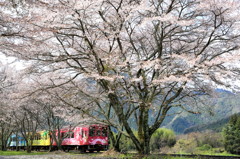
x=11 y=153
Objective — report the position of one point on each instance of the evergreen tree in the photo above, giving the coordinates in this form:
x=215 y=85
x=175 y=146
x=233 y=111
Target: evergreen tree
x=232 y=135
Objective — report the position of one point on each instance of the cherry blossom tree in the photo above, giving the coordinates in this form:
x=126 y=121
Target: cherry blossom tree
x=56 y=116
x=53 y=123
x=18 y=115
x=27 y=121
x=7 y=124
x=130 y=62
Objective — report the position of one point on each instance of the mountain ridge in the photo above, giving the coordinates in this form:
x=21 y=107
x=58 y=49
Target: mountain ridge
x=223 y=104
x=216 y=126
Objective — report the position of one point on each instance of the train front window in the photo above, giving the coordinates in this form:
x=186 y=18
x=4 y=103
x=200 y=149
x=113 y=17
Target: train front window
x=14 y=139
x=98 y=133
x=104 y=132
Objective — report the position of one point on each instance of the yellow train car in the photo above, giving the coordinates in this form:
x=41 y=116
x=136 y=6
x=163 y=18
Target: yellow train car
x=41 y=139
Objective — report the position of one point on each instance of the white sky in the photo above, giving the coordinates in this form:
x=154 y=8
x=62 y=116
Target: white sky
x=11 y=61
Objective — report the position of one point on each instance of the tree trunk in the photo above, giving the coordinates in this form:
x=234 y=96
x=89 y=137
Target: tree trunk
x=3 y=148
x=2 y=139
x=29 y=146
x=146 y=146
x=29 y=149
x=59 y=145
x=4 y=144
x=122 y=118
x=50 y=146
x=143 y=131
x=115 y=140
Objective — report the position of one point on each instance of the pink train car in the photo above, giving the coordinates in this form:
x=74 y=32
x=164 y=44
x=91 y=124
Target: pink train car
x=85 y=138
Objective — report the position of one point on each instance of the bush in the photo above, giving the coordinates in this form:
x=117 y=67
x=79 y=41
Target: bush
x=210 y=138
x=126 y=144
x=161 y=138
x=191 y=143
x=205 y=147
x=185 y=145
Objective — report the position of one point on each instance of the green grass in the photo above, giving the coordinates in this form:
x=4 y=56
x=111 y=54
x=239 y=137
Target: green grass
x=136 y=156
x=214 y=152
x=120 y=156
x=178 y=158
x=167 y=157
x=211 y=152
x=10 y=153
x=127 y=156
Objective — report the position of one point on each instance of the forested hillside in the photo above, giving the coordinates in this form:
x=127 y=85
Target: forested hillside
x=216 y=126
x=223 y=104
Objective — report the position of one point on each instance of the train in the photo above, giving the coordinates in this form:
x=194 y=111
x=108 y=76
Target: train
x=89 y=138
x=15 y=142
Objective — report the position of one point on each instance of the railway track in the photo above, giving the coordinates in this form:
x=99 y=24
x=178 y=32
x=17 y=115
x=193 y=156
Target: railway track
x=159 y=156
x=194 y=156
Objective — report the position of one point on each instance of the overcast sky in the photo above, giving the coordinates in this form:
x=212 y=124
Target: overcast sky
x=11 y=61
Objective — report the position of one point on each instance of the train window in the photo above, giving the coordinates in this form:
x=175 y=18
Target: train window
x=37 y=136
x=104 y=132
x=84 y=134
x=91 y=131
x=63 y=135
x=70 y=134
